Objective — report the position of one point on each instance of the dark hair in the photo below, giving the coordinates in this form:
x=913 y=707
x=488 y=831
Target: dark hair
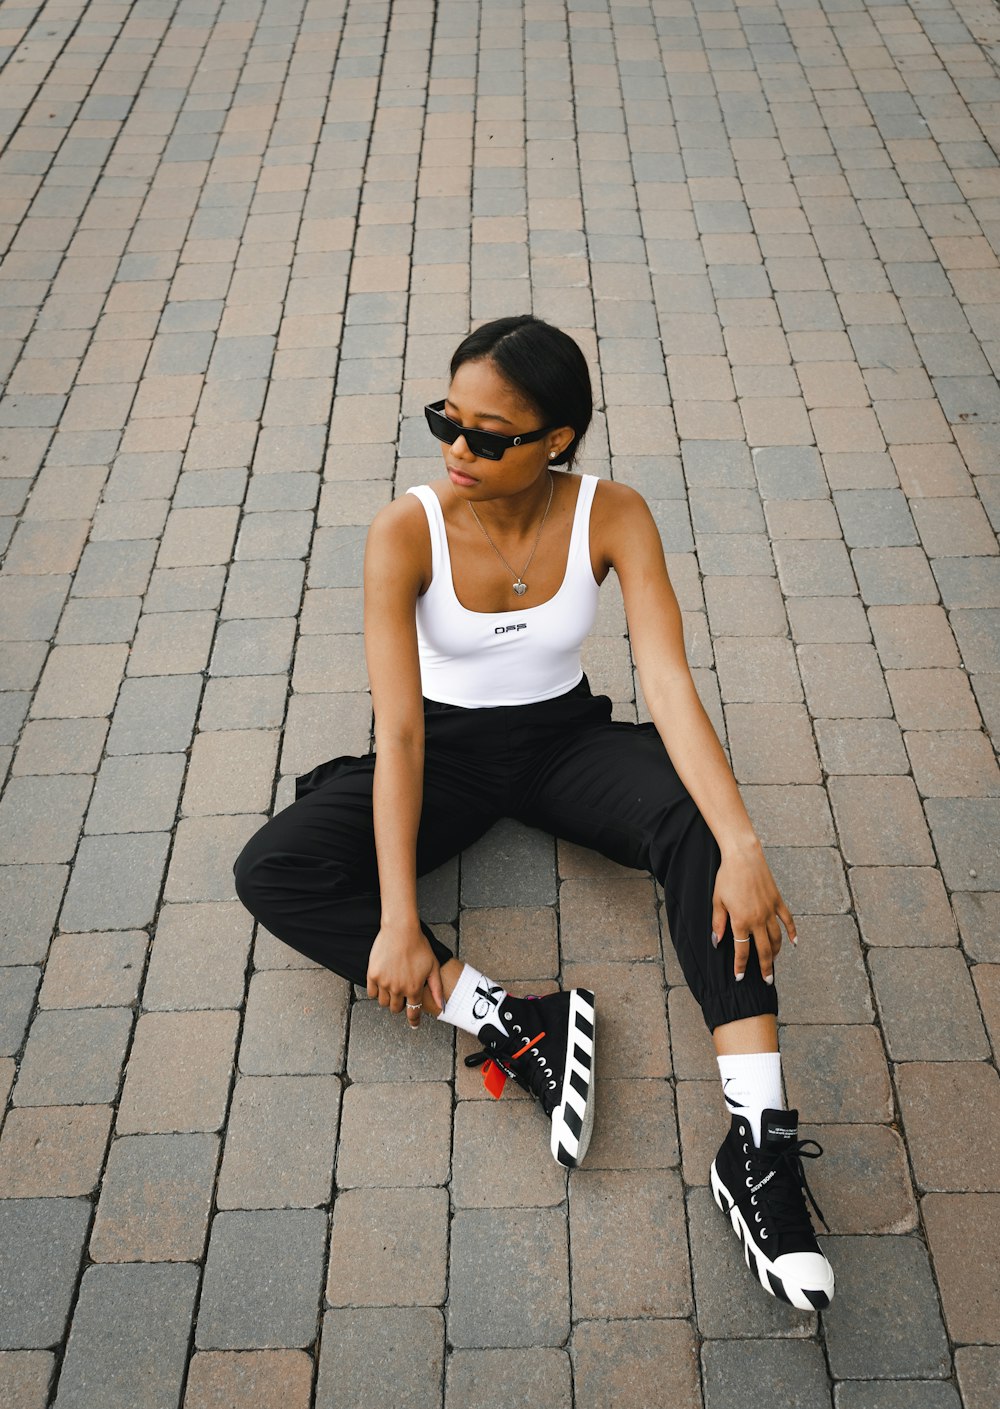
x=541 y=362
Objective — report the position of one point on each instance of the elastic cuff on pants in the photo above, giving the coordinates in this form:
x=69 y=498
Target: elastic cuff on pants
x=748 y=999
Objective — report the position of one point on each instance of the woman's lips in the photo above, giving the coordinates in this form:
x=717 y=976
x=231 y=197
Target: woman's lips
x=460 y=477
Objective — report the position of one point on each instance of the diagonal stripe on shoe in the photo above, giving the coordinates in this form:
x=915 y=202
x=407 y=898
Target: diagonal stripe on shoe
x=549 y=1051
x=762 y=1190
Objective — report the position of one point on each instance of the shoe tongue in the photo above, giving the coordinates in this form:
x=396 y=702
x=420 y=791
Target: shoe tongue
x=778 y=1129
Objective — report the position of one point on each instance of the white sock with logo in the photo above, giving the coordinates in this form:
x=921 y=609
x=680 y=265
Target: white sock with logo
x=474 y=1000
x=751 y=1084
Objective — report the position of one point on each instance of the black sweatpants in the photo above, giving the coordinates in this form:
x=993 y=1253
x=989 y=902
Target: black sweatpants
x=310 y=874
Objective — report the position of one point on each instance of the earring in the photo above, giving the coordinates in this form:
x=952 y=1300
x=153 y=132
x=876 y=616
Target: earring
x=552 y=454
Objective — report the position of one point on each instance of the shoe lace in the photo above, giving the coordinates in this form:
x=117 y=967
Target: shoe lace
x=532 y=1076
x=782 y=1178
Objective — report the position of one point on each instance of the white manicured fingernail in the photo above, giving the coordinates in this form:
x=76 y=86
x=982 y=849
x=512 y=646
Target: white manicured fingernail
x=739 y=978
x=769 y=978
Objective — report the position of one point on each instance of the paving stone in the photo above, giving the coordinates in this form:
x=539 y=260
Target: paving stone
x=25 y=1376
x=928 y=1005
x=155 y=715
x=61 y=746
x=129 y=1336
x=837 y=1073
x=810 y=878
x=771 y=743
x=823 y=980
x=73 y=1058
x=843 y=680
x=894 y=576
x=827 y=620
x=40 y=818
x=782 y=1374
x=476 y=1379
x=655 y=1362
x=747 y=606
x=155 y=1199
x=953 y=763
x=53 y=1151
x=170 y=643
x=269 y=1116
x=978 y=1368
x=814 y=569
x=418 y=1113
x=913 y=637
x=31 y=606
x=963 y=1100
x=905 y=1335
x=79 y=681
x=480 y=1312
x=481 y=1127
x=276 y=1258
x=902 y=905
x=978 y=917
x=243 y=702
x=958 y=1231
x=867 y=746
x=253 y=647
x=137 y=860
x=968 y=582
x=295 y=1024
x=230 y=771
x=978 y=634
x=93 y=970
x=896 y=1394
x=963 y=829
x=388 y=1248
x=28 y=912
x=610 y=919
x=362 y=1351
x=511 y=865
x=137 y=794
x=757 y=669
x=520 y=940
x=178 y=1073
x=932 y=699
x=263 y=589
x=201 y=865
x=629 y=1244
x=231 y=1379
x=875 y=518
x=382 y=1047
x=880 y=822
x=862 y=1182
x=198 y=957
x=630 y=1005
x=41 y=1247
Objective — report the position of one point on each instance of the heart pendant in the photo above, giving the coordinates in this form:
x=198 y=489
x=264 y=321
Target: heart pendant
x=520 y=588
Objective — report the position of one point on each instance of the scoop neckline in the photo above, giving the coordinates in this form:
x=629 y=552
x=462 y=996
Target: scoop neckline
x=470 y=611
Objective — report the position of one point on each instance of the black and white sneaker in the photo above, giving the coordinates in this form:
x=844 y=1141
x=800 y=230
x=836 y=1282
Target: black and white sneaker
x=549 y=1050
x=762 y=1190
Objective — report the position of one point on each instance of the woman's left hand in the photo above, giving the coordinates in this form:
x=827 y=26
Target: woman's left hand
x=746 y=895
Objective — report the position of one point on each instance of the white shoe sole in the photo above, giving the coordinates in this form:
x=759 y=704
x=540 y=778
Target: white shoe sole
x=778 y=1284
x=573 y=1118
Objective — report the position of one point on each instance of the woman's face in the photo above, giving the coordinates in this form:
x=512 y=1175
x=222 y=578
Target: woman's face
x=480 y=398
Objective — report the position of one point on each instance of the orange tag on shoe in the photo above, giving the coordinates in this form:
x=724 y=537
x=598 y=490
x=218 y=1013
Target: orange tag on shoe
x=494 y=1079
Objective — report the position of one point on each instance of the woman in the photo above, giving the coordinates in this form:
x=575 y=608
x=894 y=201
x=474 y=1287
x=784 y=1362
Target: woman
x=482 y=711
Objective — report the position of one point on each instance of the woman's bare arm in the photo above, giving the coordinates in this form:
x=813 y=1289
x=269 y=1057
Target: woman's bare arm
x=745 y=890
x=401 y=959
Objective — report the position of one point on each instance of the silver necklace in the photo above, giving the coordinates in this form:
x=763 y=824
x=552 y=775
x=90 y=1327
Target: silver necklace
x=520 y=586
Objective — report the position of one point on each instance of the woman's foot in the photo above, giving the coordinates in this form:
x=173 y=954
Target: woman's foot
x=549 y=1050
x=763 y=1191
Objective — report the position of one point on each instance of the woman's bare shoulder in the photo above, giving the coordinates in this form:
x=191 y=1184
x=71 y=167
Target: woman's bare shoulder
x=399 y=538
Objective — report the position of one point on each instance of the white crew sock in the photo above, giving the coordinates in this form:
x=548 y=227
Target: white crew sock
x=474 y=1000
x=751 y=1084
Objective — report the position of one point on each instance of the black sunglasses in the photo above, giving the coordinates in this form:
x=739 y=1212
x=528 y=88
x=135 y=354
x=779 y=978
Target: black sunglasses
x=485 y=445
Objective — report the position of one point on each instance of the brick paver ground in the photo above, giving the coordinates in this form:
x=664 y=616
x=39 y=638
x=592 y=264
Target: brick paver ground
x=242 y=237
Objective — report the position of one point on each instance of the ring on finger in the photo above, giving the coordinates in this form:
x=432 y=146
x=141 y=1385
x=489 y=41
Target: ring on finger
x=414 y=1005
x=741 y=941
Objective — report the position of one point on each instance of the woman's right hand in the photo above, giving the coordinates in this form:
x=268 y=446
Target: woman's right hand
x=401 y=963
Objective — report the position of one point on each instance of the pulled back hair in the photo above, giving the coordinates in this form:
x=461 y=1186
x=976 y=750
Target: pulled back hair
x=543 y=364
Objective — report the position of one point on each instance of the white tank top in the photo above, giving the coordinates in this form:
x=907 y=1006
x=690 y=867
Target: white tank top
x=481 y=659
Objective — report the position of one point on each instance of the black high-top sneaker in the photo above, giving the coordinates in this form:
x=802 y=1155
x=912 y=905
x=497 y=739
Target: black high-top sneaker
x=762 y=1190
x=549 y=1050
